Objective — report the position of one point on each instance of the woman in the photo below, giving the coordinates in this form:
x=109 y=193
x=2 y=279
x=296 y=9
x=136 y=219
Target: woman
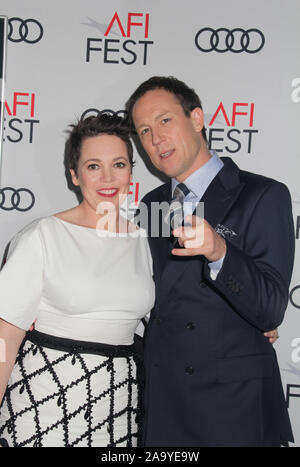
x=84 y=276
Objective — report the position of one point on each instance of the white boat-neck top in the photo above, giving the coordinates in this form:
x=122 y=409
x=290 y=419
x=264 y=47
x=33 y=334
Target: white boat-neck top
x=76 y=282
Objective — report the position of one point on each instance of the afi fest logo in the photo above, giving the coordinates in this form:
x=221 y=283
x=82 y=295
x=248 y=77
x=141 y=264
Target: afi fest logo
x=232 y=139
x=19 y=121
x=298 y=228
x=125 y=40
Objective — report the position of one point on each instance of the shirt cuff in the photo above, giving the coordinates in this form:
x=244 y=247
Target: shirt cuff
x=215 y=268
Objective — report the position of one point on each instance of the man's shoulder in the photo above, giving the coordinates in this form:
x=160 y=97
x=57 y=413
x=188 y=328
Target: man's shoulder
x=263 y=184
x=255 y=181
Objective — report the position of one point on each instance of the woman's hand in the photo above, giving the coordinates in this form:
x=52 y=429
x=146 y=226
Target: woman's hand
x=11 y=338
x=272 y=335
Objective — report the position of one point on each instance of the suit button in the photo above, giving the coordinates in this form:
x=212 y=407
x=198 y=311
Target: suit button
x=202 y=284
x=189 y=370
x=190 y=326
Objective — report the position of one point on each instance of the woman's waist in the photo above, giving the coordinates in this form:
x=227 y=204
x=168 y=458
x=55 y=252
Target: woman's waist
x=87 y=327
x=75 y=346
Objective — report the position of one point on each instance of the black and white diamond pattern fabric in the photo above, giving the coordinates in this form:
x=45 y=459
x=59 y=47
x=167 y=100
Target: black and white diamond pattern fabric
x=57 y=398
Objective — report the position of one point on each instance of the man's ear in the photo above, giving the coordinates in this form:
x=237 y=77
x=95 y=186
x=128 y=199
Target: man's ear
x=74 y=177
x=197 y=117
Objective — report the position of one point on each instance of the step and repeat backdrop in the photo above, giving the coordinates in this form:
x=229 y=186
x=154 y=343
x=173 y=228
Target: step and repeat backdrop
x=69 y=58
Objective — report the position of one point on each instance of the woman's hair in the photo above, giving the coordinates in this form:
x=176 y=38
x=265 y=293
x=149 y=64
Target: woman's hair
x=93 y=126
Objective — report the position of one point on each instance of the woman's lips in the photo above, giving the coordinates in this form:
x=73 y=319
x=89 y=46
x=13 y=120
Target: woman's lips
x=108 y=192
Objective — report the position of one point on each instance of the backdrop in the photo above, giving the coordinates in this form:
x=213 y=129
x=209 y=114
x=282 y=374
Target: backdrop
x=66 y=58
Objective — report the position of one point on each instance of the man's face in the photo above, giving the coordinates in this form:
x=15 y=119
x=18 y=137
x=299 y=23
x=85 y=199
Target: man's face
x=172 y=140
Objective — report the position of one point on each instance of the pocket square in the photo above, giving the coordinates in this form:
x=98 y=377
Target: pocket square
x=225 y=231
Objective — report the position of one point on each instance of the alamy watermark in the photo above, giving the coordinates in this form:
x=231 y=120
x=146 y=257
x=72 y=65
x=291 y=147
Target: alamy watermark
x=158 y=219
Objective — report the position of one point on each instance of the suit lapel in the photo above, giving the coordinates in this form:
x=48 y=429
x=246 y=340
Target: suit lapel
x=218 y=199
x=222 y=193
x=160 y=246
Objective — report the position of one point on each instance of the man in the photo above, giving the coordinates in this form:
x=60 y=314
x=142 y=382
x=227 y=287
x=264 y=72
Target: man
x=212 y=377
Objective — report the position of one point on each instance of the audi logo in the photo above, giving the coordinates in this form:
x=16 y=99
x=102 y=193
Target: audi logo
x=225 y=40
x=293 y=298
x=96 y=113
x=21 y=199
x=28 y=30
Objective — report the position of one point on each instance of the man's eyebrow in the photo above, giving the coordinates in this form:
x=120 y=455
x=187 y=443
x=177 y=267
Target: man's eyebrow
x=157 y=117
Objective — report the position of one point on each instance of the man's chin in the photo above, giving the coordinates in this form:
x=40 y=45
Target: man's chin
x=169 y=172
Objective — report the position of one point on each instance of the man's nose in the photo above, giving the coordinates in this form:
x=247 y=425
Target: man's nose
x=156 y=137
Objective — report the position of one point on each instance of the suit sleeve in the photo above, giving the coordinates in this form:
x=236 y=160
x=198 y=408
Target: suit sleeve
x=255 y=280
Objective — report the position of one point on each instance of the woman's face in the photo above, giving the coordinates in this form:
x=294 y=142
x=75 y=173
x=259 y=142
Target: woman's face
x=104 y=172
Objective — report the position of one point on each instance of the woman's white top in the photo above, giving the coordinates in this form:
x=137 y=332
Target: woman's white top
x=77 y=282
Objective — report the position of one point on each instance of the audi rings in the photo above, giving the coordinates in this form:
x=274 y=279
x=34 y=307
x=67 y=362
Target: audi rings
x=21 y=199
x=98 y=113
x=28 y=30
x=237 y=40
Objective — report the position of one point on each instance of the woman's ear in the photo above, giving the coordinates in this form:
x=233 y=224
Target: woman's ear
x=74 y=177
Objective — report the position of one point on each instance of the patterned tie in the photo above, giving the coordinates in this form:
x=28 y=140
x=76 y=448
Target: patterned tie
x=176 y=206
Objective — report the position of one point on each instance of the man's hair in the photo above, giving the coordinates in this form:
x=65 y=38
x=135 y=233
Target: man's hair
x=94 y=126
x=186 y=96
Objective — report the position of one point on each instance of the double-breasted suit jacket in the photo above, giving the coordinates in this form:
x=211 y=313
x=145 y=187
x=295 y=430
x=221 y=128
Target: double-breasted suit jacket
x=212 y=377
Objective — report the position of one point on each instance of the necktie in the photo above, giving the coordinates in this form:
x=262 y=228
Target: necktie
x=176 y=206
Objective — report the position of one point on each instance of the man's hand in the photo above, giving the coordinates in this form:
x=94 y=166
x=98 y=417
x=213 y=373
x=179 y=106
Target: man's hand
x=199 y=238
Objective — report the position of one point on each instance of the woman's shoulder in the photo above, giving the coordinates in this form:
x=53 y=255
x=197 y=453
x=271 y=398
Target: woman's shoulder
x=29 y=233
x=69 y=215
x=36 y=227
x=27 y=238
x=32 y=226
x=42 y=223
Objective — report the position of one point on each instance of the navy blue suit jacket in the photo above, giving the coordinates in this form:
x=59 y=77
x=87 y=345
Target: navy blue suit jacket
x=212 y=377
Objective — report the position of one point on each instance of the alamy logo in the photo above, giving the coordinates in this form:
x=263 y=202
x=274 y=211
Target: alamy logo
x=295 y=96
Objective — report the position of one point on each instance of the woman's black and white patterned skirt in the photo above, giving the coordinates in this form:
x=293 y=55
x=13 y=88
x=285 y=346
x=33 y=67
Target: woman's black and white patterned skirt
x=72 y=393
